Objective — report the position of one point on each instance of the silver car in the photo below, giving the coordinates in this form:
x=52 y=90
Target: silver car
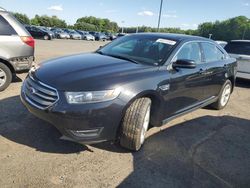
x=88 y=37
x=16 y=48
x=75 y=35
x=240 y=49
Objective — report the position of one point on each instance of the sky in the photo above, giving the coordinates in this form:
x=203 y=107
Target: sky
x=185 y=14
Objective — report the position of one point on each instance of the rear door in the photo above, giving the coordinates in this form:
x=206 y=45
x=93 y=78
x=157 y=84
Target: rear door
x=215 y=67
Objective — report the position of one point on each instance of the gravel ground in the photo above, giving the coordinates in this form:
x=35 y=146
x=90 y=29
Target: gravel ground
x=206 y=148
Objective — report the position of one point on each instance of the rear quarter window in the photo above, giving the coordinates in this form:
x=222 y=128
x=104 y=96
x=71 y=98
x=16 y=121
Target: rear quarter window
x=5 y=27
x=242 y=48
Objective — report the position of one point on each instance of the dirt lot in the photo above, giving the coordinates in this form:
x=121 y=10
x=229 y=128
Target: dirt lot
x=206 y=148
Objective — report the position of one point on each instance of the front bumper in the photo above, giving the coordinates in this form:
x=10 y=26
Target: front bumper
x=85 y=123
x=22 y=64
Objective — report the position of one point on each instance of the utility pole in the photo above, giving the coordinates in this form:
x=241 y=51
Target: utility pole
x=159 y=20
x=122 y=26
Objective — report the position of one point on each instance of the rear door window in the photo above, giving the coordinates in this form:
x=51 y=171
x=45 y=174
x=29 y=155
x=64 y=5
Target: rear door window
x=242 y=48
x=5 y=27
x=212 y=52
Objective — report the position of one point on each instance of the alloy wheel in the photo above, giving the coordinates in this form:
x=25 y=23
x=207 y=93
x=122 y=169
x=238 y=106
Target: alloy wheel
x=3 y=77
x=225 y=95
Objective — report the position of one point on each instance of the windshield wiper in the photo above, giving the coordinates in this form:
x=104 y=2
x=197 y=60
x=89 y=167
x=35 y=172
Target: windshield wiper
x=122 y=57
x=118 y=56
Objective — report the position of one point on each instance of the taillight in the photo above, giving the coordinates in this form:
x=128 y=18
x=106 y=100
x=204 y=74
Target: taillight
x=28 y=40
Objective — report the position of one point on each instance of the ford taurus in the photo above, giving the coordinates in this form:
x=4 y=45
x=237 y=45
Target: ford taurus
x=132 y=83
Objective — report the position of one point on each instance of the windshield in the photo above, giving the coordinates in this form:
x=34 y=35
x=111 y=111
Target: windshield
x=242 y=48
x=140 y=48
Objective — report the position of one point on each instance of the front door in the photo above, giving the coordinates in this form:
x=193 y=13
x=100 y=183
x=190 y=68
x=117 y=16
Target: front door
x=186 y=85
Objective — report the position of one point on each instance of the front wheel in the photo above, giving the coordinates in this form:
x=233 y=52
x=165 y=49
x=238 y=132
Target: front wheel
x=224 y=96
x=135 y=124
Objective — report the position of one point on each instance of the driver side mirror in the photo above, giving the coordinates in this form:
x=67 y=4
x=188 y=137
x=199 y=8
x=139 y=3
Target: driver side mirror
x=184 y=63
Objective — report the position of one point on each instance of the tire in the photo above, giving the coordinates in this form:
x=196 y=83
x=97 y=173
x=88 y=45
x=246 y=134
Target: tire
x=224 y=96
x=46 y=37
x=135 y=124
x=5 y=76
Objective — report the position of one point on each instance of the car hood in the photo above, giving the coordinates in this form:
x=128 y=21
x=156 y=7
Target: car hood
x=85 y=72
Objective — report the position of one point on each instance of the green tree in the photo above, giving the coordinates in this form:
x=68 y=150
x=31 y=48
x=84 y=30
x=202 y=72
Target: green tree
x=48 y=21
x=23 y=18
x=96 y=24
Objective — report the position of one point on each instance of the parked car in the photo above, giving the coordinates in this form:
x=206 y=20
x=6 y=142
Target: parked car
x=60 y=34
x=39 y=33
x=16 y=48
x=111 y=36
x=51 y=33
x=121 y=35
x=129 y=84
x=100 y=37
x=240 y=49
x=75 y=35
x=88 y=37
x=82 y=33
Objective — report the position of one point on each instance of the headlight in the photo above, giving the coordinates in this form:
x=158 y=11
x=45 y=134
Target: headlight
x=91 y=96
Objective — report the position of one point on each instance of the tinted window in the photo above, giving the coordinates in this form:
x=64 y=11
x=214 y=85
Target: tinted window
x=143 y=49
x=211 y=52
x=190 y=51
x=238 y=48
x=5 y=27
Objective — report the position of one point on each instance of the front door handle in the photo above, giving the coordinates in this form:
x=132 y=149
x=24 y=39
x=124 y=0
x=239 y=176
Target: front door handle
x=202 y=71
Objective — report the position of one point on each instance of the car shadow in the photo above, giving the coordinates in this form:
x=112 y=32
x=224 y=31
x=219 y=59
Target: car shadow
x=20 y=126
x=205 y=152
x=16 y=79
x=208 y=151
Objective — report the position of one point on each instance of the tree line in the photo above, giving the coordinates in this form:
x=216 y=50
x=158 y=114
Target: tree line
x=226 y=30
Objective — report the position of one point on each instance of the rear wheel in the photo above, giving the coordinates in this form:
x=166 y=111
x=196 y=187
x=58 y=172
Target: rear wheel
x=224 y=96
x=5 y=76
x=135 y=124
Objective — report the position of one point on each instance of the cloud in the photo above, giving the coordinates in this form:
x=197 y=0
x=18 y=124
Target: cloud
x=169 y=16
x=56 y=8
x=145 y=13
x=246 y=4
x=111 y=11
x=190 y=26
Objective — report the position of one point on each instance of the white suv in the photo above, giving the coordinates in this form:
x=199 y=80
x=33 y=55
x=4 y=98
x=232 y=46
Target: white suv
x=240 y=49
x=16 y=48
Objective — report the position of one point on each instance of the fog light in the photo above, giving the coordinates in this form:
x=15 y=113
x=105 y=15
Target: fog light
x=86 y=133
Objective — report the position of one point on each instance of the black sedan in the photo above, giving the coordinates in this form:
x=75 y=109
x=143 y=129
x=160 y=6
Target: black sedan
x=40 y=33
x=138 y=80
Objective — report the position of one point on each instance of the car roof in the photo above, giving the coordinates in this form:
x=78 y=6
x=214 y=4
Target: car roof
x=174 y=36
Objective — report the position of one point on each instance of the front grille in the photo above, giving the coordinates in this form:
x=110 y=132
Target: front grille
x=39 y=94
